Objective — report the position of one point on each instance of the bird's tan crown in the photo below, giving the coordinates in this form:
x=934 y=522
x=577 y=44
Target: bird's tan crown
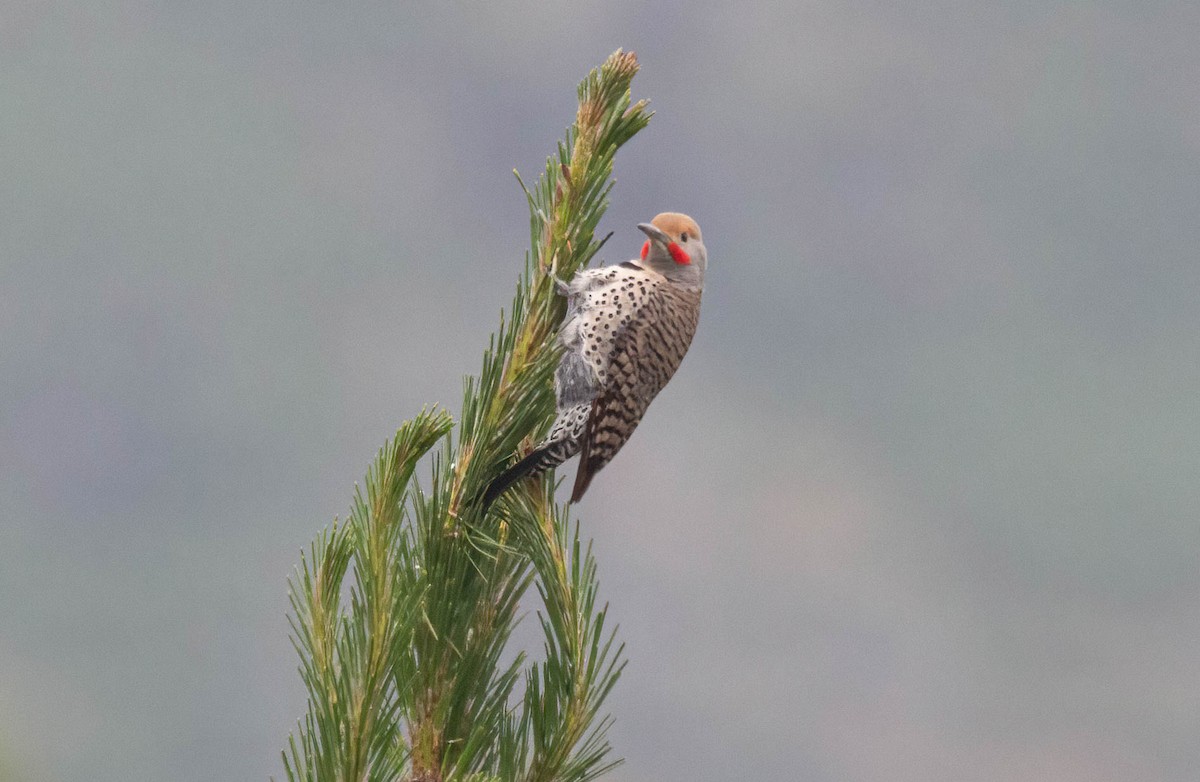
x=675 y=224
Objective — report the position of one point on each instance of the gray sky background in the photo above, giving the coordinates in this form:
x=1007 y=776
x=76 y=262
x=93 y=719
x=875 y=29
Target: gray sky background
x=922 y=503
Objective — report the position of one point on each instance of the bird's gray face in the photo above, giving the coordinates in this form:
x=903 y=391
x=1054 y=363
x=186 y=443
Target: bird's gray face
x=675 y=249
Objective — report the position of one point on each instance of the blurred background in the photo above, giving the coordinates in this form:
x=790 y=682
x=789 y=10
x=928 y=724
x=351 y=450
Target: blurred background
x=922 y=503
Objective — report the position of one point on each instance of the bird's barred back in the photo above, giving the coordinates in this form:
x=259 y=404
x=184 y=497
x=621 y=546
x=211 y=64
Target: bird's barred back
x=644 y=357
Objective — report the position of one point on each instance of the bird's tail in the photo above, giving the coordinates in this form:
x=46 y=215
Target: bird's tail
x=543 y=458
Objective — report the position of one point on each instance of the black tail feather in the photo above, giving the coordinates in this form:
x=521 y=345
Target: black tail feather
x=536 y=462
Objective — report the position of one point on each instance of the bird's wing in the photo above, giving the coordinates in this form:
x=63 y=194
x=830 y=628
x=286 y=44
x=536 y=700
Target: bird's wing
x=645 y=354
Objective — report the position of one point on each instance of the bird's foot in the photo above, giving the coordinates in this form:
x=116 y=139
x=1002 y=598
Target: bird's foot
x=559 y=286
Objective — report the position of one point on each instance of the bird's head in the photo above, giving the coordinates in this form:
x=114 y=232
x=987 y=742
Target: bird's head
x=675 y=249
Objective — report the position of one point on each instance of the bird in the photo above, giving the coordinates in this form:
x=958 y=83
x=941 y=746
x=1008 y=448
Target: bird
x=625 y=332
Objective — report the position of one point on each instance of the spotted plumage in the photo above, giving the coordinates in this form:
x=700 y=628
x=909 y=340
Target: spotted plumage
x=625 y=333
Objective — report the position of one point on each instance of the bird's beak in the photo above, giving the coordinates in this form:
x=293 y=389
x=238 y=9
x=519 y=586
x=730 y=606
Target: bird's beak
x=656 y=235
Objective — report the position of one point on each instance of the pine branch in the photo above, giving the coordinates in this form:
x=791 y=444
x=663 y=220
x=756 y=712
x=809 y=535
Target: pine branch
x=347 y=660
x=404 y=661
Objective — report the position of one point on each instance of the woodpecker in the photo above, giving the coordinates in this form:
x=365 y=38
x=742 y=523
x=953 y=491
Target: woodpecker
x=626 y=330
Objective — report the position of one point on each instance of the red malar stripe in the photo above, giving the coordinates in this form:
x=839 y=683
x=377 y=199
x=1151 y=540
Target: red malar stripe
x=678 y=254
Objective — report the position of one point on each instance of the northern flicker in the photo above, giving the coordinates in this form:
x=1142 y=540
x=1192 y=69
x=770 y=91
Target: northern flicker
x=626 y=329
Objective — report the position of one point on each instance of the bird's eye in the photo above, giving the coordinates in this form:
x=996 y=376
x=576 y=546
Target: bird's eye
x=683 y=237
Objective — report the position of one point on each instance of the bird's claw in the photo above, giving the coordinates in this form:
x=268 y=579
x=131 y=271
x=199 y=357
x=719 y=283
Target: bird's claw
x=559 y=286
